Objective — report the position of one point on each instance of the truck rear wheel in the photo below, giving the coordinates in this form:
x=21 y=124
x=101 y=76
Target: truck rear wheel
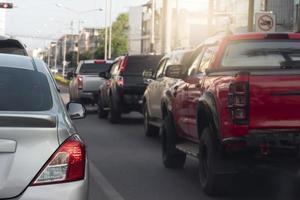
x=114 y=113
x=150 y=130
x=212 y=180
x=102 y=114
x=172 y=157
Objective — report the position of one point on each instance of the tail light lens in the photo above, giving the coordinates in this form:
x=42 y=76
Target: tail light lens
x=80 y=82
x=120 y=81
x=67 y=164
x=238 y=101
x=123 y=64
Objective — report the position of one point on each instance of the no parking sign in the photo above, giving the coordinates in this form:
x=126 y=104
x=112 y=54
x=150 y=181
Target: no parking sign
x=265 y=22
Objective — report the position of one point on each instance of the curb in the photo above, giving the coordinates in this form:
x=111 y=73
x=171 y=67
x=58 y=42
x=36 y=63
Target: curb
x=61 y=80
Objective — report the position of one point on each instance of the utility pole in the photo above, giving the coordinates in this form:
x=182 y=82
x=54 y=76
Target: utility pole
x=106 y=30
x=177 y=26
x=210 y=15
x=65 y=55
x=167 y=32
x=110 y=29
x=49 y=54
x=56 y=54
x=250 y=15
x=153 y=9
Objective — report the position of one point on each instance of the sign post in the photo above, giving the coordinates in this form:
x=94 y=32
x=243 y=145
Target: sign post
x=265 y=22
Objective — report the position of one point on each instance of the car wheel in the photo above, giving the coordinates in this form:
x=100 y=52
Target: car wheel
x=150 y=130
x=172 y=157
x=212 y=180
x=114 y=113
x=102 y=114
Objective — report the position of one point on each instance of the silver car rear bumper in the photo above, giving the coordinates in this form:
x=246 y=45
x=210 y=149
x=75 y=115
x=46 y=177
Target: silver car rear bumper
x=67 y=191
x=77 y=190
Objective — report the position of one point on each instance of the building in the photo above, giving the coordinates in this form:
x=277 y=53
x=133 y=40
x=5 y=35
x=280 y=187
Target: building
x=66 y=45
x=237 y=13
x=233 y=13
x=188 y=29
x=147 y=46
x=89 y=40
x=135 y=17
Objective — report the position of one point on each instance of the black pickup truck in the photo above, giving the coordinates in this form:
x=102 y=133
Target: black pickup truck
x=125 y=86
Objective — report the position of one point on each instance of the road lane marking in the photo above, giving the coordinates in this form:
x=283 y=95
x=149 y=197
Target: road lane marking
x=110 y=192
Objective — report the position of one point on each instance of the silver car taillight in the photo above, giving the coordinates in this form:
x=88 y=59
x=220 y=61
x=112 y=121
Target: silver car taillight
x=67 y=164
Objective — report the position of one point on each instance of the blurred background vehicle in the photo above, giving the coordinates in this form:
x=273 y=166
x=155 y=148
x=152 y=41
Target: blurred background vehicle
x=125 y=87
x=36 y=129
x=12 y=46
x=158 y=83
x=86 y=81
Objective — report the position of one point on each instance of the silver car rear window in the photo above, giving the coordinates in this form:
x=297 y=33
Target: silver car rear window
x=24 y=90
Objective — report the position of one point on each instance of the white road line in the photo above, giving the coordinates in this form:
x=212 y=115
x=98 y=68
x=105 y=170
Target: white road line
x=110 y=192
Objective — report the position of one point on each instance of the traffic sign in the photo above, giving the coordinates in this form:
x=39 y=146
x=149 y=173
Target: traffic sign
x=265 y=22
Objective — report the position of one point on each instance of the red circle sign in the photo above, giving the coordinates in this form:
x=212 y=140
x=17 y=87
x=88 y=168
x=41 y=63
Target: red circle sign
x=265 y=23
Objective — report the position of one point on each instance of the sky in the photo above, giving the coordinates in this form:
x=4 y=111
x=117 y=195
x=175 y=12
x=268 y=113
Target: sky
x=43 y=18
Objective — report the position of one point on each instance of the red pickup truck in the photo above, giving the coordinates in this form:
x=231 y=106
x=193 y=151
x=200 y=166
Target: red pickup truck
x=237 y=105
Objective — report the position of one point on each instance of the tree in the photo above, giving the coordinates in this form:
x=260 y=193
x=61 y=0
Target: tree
x=119 y=38
x=120 y=35
x=71 y=57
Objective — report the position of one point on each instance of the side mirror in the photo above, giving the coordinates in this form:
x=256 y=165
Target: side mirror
x=76 y=110
x=174 y=71
x=148 y=74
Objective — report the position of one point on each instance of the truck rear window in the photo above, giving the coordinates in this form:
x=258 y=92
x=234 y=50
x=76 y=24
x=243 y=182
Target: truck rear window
x=24 y=90
x=93 y=68
x=137 y=64
x=264 y=54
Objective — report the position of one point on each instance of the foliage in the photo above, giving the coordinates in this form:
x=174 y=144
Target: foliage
x=72 y=59
x=119 y=40
x=120 y=35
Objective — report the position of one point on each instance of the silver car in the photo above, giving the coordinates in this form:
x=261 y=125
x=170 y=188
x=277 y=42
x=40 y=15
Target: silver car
x=41 y=154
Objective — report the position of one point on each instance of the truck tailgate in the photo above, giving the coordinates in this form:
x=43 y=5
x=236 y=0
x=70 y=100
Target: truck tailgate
x=134 y=84
x=91 y=83
x=274 y=101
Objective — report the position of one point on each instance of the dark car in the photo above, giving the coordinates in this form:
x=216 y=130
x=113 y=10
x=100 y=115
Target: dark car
x=238 y=106
x=124 y=89
x=12 y=46
x=158 y=83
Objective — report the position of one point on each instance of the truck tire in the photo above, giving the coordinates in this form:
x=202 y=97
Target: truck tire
x=172 y=157
x=149 y=129
x=102 y=114
x=212 y=180
x=114 y=113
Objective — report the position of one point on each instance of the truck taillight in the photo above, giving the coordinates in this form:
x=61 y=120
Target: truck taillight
x=238 y=102
x=67 y=164
x=123 y=64
x=80 y=82
x=120 y=81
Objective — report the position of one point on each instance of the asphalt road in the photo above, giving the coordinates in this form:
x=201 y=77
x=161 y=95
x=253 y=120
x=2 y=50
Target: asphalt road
x=125 y=165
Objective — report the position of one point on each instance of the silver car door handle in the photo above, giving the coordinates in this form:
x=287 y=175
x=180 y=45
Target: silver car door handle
x=8 y=146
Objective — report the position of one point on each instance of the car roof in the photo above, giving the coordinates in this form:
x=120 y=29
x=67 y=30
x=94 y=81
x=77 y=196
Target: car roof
x=16 y=61
x=97 y=60
x=250 y=36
